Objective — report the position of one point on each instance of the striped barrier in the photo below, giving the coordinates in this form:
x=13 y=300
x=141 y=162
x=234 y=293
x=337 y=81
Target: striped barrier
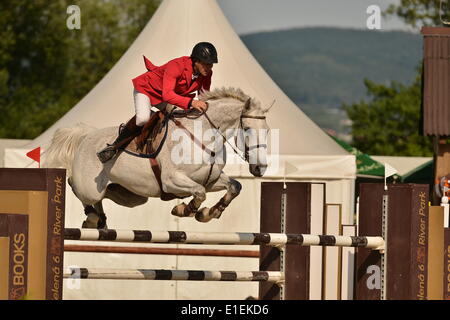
x=156 y=274
x=221 y=238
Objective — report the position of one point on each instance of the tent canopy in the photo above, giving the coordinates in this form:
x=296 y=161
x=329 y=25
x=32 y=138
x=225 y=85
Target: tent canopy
x=172 y=32
x=366 y=166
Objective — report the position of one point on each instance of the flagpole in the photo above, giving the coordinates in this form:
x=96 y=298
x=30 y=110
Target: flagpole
x=388 y=171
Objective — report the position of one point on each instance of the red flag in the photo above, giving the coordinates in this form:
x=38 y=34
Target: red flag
x=35 y=154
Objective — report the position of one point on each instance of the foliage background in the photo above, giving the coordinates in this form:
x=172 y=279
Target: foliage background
x=45 y=68
x=371 y=78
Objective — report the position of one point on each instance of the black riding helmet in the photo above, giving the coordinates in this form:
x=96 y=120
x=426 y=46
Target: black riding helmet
x=205 y=52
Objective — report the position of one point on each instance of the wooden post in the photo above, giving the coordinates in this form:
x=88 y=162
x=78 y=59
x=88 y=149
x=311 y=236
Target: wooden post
x=406 y=247
x=446 y=285
x=435 y=250
x=297 y=209
x=14 y=228
x=40 y=195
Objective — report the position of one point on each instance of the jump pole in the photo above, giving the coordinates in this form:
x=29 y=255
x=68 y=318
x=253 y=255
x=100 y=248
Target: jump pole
x=159 y=274
x=222 y=238
x=162 y=251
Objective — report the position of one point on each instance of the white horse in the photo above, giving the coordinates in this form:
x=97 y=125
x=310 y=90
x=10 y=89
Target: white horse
x=129 y=180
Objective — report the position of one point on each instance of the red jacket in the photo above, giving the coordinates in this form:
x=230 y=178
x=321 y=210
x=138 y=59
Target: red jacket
x=171 y=82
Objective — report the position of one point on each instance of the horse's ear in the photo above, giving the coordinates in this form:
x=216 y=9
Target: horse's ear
x=270 y=107
x=247 y=104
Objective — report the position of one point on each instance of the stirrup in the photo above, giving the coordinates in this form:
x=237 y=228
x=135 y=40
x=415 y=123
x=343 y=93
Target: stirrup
x=107 y=154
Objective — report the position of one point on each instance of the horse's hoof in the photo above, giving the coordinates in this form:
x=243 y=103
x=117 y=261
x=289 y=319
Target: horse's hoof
x=178 y=210
x=215 y=213
x=101 y=224
x=91 y=221
x=203 y=215
x=183 y=210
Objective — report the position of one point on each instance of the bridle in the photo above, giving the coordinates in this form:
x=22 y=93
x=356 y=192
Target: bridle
x=247 y=149
x=212 y=153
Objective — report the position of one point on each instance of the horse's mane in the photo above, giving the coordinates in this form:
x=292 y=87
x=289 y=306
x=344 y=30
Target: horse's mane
x=228 y=92
x=223 y=92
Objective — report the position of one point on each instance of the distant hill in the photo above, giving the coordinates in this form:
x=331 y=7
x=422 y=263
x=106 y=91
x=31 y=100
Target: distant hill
x=321 y=68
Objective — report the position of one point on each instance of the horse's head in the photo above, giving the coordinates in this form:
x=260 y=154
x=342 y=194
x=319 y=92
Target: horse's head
x=252 y=137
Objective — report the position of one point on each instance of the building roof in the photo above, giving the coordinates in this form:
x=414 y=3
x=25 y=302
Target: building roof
x=436 y=81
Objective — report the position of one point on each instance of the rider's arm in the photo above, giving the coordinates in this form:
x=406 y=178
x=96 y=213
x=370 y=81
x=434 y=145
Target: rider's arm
x=172 y=73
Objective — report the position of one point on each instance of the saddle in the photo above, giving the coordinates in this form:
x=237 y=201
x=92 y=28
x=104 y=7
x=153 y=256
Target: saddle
x=152 y=135
x=150 y=141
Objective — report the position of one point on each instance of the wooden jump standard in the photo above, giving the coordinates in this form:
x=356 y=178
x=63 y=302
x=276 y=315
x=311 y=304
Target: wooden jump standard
x=288 y=212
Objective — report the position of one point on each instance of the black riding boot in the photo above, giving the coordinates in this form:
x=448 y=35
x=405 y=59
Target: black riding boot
x=126 y=135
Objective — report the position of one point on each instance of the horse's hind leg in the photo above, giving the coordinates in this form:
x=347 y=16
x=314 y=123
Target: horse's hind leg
x=95 y=216
x=93 y=209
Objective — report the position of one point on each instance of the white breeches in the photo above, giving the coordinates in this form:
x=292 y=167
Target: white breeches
x=143 y=107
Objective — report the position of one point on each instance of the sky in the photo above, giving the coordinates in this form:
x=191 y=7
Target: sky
x=248 y=16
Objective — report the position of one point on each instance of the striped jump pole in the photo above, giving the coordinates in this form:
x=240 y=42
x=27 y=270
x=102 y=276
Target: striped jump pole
x=188 y=275
x=231 y=238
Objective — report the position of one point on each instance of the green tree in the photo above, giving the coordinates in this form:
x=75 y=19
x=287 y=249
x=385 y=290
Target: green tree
x=418 y=13
x=45 y=68
x=388 y=124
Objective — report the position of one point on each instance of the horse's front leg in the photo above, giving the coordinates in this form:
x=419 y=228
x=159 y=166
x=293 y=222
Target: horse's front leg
x=180 y=184
x=233 y=188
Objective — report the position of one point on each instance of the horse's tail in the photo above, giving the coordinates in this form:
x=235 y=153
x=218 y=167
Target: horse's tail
x=65 y=142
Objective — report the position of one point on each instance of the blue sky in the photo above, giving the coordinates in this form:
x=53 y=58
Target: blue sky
x=247 y=16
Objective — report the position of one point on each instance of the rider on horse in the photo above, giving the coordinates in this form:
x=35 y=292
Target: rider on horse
x=175 y=83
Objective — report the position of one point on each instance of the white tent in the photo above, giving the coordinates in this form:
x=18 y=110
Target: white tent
x=305 y=151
